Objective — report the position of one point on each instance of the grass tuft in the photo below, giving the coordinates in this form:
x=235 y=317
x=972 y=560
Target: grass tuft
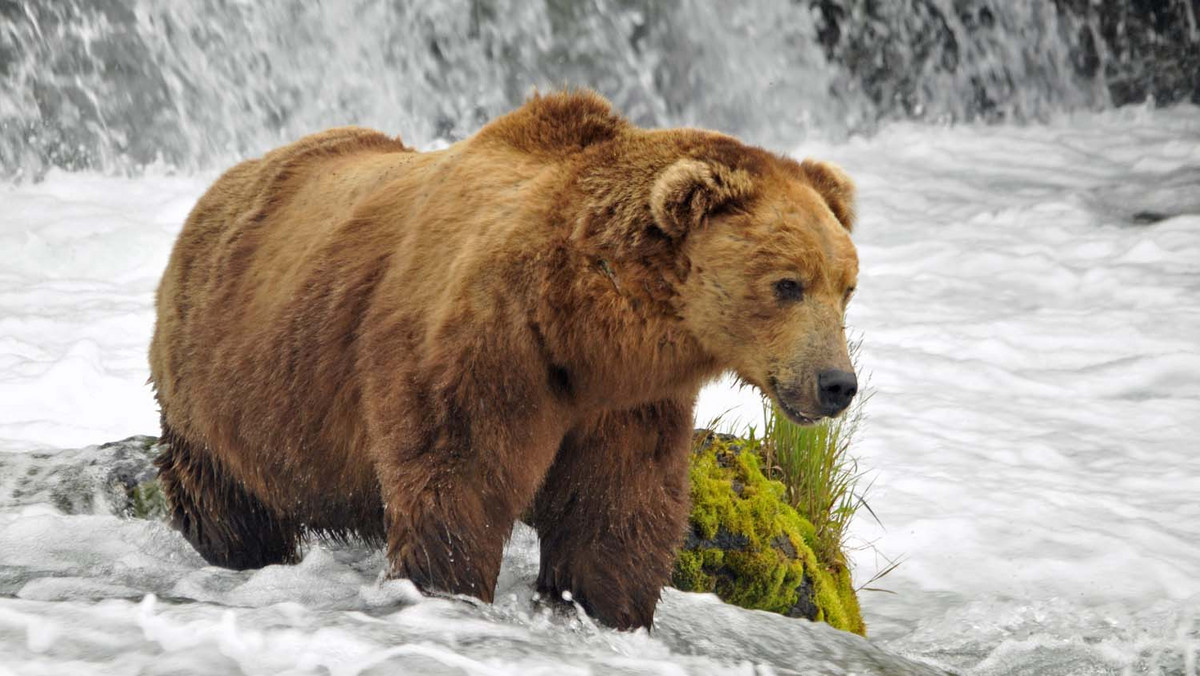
x=821 y=478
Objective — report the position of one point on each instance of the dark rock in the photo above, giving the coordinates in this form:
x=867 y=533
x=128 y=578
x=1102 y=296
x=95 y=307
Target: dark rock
x=806 y=603
x=784 y=545
x=114 y=478
x=904 y=54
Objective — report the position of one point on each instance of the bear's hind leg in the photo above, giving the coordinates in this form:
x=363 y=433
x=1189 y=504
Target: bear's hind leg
x=612 y=512
x=227 y=525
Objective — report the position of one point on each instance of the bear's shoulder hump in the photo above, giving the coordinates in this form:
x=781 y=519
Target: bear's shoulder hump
x=557 y=124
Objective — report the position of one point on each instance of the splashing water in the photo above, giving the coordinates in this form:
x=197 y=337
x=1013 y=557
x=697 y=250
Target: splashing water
x=118 y=84
x=1029 y=305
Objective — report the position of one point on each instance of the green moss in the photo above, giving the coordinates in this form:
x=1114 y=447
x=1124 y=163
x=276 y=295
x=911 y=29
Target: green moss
x=146 y=500
x=753 y=550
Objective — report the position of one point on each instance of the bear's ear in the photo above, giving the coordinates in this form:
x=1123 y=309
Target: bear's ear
x=835 y=187
x=689 y=190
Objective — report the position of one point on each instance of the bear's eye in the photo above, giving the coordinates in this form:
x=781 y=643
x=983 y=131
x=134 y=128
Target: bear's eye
x=849 y=293
x=789 y=290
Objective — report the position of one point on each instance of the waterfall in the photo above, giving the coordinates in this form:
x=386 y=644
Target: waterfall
x=115 y=85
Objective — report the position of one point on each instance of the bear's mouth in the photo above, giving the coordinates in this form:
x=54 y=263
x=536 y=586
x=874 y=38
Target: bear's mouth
x=791 y=412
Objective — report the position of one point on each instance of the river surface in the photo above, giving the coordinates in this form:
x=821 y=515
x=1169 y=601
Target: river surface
x=1029 y=307
x=1029 y=310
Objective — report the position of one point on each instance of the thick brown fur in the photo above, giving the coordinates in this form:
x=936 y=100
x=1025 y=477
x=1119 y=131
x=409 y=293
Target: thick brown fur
x=356 y=339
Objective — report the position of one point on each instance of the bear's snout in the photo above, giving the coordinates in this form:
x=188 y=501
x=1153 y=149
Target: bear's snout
x=794 y=403
x=835 y=390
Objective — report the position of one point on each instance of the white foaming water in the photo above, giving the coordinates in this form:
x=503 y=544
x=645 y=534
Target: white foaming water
x=1029 y=305
x=117 y=84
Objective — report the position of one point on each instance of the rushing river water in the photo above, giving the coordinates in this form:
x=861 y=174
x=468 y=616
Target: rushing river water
x=116 y=84
x=1029 y=307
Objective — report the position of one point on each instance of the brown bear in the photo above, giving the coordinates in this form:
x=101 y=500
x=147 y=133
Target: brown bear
x=358 y=340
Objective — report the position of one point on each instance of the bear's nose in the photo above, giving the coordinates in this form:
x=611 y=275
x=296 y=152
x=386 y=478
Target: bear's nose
x=835 y=389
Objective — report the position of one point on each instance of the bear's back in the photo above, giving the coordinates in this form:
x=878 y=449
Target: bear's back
x=248 y=235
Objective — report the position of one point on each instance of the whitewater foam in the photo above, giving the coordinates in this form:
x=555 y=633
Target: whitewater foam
x=1031 y=336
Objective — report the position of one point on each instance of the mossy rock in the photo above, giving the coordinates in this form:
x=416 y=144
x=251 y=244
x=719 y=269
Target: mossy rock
x=114 y=478
x=750 y=548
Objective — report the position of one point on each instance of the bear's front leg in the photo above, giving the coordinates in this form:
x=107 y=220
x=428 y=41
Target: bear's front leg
x=613 y=510
x=446 y=531
x=455 y=474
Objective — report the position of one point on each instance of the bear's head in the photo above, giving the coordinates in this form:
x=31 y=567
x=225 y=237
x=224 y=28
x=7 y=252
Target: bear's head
x=771 y=269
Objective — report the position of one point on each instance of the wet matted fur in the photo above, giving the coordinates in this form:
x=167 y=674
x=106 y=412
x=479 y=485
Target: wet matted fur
x=360 y=340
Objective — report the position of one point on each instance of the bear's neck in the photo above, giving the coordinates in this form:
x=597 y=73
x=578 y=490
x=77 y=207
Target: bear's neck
x=611 y=319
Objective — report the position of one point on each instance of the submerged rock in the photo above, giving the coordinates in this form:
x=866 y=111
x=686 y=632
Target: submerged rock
x=745 y=543
x=750 y=548
x=114 y=478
